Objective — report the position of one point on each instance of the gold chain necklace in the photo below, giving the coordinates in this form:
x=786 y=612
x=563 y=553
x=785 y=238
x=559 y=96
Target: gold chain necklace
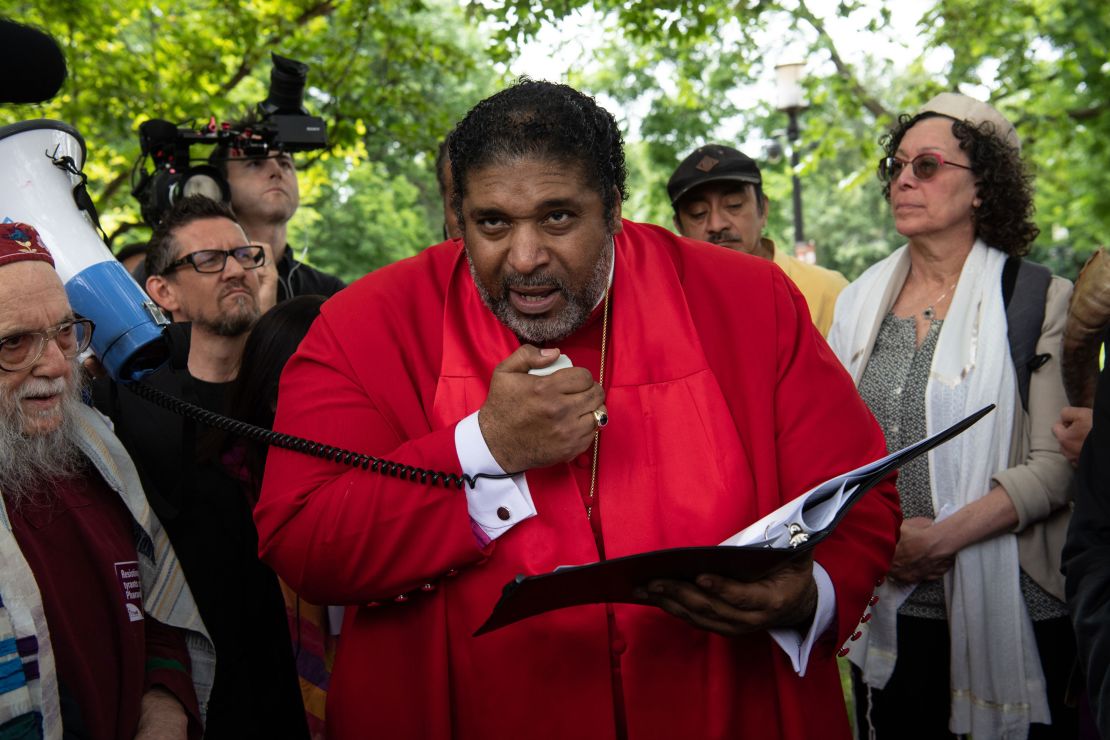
x=601 y=382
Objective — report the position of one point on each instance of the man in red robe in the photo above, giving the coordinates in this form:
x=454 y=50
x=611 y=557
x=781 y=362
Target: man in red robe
x=722 y=403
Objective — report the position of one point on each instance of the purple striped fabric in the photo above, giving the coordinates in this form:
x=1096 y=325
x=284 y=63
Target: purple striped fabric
x=27 y=646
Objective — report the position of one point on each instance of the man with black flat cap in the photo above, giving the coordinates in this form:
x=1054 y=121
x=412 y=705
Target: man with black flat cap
x=717 y=194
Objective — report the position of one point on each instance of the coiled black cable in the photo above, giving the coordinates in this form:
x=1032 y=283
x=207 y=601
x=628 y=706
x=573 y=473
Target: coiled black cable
x=305 y=446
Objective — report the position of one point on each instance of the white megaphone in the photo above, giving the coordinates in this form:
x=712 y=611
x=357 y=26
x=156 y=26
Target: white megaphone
x=41 y=185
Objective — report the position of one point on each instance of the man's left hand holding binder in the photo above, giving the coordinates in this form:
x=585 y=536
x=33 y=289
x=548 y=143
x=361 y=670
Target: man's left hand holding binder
x=786 y=599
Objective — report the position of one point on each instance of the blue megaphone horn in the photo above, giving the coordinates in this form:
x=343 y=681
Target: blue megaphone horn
x=41 y=185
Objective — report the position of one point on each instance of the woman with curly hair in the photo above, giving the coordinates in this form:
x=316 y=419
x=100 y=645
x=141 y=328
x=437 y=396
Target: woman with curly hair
x=970 y=633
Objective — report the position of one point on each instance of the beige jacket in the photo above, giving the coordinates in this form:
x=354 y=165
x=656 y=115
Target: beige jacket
x=1039 y=478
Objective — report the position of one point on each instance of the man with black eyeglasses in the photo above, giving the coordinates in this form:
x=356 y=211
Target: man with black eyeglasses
x=202 y=269
x=215 y=283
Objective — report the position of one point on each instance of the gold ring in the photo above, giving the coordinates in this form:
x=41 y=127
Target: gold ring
x=601 y=416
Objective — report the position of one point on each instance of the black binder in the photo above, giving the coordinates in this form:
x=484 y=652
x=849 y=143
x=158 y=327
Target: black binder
x=613 y=581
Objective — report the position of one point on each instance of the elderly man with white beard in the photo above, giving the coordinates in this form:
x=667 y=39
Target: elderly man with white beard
x=99 y=633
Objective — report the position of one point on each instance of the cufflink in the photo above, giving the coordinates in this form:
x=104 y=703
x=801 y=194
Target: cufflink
x=503 y=513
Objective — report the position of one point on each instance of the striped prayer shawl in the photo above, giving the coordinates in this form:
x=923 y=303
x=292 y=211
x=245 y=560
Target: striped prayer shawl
x=28 y=683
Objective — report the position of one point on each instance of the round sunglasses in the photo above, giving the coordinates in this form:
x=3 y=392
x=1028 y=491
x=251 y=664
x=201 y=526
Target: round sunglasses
x=924 y=166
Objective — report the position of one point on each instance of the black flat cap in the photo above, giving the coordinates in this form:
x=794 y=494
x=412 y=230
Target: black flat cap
x=712 y=163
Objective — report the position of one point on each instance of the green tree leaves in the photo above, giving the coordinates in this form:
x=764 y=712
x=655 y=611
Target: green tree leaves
x=392 y=77
x=693 y=65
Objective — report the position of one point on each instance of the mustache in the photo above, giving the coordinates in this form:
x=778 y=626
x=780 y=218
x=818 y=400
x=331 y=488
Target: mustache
x=40 y=388
x=532 y=280
x=723 y=236
x=235 y=285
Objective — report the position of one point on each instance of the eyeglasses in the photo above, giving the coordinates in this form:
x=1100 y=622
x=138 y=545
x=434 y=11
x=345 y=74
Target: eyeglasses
x=250 y=257
x=925 y=167
x=21 y=351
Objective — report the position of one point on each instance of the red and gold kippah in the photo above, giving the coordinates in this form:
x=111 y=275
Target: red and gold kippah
x=21 y=242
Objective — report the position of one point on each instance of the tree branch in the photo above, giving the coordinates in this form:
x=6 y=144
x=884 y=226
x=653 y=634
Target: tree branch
x=113 y=185
x=846 y=72
x=325 y=7
x=1073 y=114
x=1084 y=114
x=123 y=229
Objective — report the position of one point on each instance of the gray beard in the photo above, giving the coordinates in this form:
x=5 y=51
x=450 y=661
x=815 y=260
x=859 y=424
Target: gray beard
x=31 y=467
x=541 y=330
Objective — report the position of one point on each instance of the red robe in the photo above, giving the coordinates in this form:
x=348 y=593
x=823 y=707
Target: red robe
x=724 y=402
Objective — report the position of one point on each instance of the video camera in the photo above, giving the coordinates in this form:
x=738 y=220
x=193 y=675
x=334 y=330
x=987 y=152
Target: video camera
x=283 y=125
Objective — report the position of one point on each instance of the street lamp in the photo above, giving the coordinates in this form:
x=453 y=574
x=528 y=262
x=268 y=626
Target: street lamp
x=792 y=102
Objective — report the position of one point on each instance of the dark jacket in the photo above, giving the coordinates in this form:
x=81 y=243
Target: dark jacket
x=207 y=516
x=296 y=278
x=1087 y=558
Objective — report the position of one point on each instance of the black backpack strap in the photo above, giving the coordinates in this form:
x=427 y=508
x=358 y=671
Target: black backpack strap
x=1024 y=292
x=1009 y=280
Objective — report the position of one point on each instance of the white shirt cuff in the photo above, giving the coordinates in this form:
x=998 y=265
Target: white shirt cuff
x=494 y=505
x=797 y=646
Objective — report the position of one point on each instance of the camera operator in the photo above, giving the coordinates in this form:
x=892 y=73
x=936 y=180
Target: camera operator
x=264 y=196
x=251 y=168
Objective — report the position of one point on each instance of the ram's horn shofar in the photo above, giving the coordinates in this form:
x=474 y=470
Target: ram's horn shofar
x=1088 y=315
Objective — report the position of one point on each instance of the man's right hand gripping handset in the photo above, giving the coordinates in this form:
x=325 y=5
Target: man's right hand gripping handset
x=540 y=410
